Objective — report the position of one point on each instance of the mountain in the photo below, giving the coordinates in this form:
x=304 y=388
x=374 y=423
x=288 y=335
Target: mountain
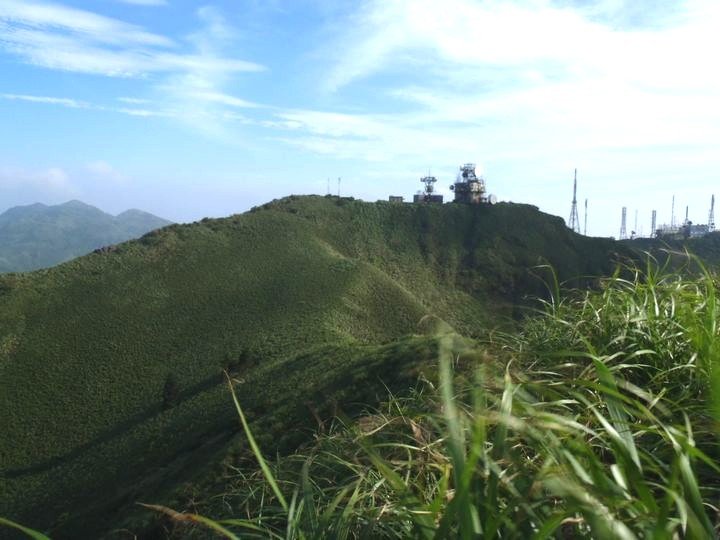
x=111 y=365
x=40 y=236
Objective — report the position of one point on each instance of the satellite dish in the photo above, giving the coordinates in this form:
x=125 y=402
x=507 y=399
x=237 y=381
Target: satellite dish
x=492 y=199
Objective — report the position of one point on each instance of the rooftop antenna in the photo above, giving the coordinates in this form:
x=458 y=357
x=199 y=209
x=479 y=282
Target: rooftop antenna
x=429 y=181
x=672 y=213
x=623 y=224
x=585 y=217
x=711 y=215
x=574 y=222
x=653 y=226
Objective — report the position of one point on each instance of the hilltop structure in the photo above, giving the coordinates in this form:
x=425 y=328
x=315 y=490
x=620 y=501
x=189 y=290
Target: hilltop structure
x=470 y=188
x=428 y=195
x=687 y=229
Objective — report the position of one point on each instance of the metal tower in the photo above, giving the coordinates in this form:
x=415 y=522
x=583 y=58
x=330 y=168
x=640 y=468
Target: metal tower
x=574 y=222
x=585 y=233
x=635 y=231
x=672 y=213
x=623 y=224
x=711 y=215
x=653 y=226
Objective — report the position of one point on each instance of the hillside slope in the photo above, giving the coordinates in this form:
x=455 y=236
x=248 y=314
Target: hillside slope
x=39 y=236
x=111 y=364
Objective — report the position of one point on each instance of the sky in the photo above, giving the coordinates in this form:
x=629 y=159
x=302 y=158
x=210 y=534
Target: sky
x=193 y=109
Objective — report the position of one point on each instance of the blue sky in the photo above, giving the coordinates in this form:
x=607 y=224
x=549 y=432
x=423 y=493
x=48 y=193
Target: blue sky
x=191 y=109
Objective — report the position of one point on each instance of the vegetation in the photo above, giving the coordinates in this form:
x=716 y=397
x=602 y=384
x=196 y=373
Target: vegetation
x=597 y=420
x=39 y=236
x=111 y=365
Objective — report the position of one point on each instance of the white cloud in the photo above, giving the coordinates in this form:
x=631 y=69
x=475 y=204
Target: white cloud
x=65 y=102
x=224 y=99
x=64 y=38
x=418 y=34
x=133 y=101
x=55 y=18
x=24 y=186
x=101 y=172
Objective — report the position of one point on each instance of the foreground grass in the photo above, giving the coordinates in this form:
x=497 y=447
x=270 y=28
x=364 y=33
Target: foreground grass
x=599 y=420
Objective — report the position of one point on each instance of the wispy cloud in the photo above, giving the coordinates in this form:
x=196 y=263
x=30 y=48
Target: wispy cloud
x=133 y=101
x=65 y=102
x=195 y=70
x=64 y=38
x=78 y=104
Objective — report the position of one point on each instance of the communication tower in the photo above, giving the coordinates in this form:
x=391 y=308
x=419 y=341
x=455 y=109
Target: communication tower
x=623 y=224
x=429 y=194
x=574 y=222
x=672 y=213
x=711 y=215
x=653 y=223
x=469 y=188
x=585 y=217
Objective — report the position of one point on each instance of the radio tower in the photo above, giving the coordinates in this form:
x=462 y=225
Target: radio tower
x=711 y=215
x=623 y=224
x=585 y=233
x=574 y=222
x=672 y=213
x=653 y=223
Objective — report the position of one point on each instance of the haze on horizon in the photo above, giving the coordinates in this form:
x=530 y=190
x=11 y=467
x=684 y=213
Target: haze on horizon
x=189 y=110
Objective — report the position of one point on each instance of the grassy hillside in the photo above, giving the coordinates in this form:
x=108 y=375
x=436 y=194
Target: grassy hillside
x=39 y=236
x=597 y=420
x=110 y=365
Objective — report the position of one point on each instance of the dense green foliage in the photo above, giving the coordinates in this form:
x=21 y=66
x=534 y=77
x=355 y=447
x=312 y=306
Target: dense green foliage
x=111 y=364
x=39 y=236
x=594 y=421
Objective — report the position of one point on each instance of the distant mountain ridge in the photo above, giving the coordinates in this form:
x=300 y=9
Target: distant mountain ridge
x=39 y=236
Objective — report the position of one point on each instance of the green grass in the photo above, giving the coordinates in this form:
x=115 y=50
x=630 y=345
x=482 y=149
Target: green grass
x=304 y=289
x=598 y=420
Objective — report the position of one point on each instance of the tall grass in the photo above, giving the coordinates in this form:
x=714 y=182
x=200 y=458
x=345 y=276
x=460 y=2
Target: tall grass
x=598 y=420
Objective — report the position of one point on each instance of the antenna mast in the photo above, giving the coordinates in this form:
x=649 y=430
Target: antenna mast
x=711 y=215
x=653 y=225
x=574 y=222
x=672 y=213
x=585 y=217
x=635 y=229
x=623 y=224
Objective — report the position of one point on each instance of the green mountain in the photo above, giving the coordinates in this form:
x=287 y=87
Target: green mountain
x=111 y=365
x=39 y=236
